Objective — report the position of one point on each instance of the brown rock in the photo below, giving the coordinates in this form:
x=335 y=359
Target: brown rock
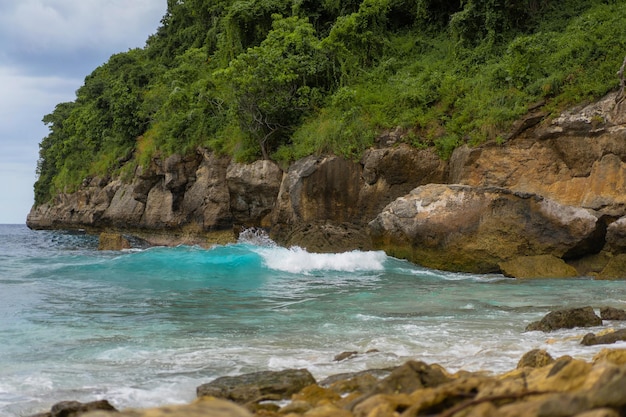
x=253 y=189
x=206 y=407
x=609 y=389
x=599 y=412
x=345 y=355
x=539 y=266
x=257 y=386
x=615 y=269
x=535 y=358
x=496 y=225
x=611 y=313
x=614 y=356
x=75 y=408
x=566 y=319
x=591 y=339
x=113 y=241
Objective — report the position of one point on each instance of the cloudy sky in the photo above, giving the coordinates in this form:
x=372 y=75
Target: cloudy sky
x=47 y=47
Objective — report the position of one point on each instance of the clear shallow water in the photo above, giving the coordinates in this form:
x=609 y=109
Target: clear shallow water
x=145 y=327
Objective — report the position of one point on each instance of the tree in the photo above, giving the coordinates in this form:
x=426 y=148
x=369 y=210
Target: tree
x=274 y=84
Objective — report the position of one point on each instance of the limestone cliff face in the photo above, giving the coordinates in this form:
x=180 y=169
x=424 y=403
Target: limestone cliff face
x=576 y=162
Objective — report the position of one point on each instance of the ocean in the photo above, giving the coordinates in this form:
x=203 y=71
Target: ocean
x=145 y=327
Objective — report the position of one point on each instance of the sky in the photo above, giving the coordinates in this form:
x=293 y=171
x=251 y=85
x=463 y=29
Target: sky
x=47 y=48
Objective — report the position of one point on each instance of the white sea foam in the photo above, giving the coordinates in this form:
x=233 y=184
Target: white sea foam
x=298 y=261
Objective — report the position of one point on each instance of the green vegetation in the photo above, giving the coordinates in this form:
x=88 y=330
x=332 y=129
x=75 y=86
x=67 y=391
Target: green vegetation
x=282 y=79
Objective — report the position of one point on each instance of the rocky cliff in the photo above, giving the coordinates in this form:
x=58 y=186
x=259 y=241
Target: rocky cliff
x=556 y=187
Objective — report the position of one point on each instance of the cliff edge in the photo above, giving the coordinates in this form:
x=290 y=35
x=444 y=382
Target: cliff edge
x=555 y=187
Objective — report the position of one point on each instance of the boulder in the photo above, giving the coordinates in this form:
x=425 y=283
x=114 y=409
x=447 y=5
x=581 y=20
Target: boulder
x=566 y=319
x=611 y=313
x=616 y=235
x=539 y=266
x=535 y=358
x=257 y=386
x=112 y=241
x=615 y=269
x=75 y=408
x=474 y=229
x=591 y=339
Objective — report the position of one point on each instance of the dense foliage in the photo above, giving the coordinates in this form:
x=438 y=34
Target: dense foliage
x=281 y=79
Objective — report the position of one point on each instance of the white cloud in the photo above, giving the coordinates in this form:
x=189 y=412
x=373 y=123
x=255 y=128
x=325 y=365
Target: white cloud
x=47 y=47
x=36 y=26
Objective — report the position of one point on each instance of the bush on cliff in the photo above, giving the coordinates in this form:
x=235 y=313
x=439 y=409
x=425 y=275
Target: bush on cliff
x=282 y=79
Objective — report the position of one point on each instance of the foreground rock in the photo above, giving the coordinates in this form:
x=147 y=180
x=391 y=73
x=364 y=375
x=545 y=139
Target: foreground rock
x=566 y=319
x=561 y=387
x=75 y=408
x=474 y=229
x=258 y=386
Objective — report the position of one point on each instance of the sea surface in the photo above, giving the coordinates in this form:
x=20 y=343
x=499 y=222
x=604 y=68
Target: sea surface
x=145 y=327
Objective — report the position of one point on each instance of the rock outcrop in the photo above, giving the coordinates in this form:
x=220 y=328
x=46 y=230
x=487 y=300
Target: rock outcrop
x=463 y=228
x=556 y=187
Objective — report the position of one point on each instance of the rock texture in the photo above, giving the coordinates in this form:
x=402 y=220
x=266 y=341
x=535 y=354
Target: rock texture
x=538 y=266
x=556 y=187
x=561 y=387
x=566 y=319
x=474 y=229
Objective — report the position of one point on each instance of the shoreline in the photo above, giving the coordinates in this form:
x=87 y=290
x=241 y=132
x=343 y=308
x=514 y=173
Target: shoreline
x=539 y=386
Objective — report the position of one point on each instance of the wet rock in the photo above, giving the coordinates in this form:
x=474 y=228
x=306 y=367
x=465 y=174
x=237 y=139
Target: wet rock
x=113 y=241
x=345 y=355
x=611 y=313
x=591 y=339
x=539 y=266
x=411 y=376
x=75 y=408
x=535 y=358
x=496 y=225
x=258 y=386
x=566 y=319
x=615 y=269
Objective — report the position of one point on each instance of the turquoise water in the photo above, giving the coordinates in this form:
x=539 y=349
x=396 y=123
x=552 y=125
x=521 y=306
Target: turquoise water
x=145 y=327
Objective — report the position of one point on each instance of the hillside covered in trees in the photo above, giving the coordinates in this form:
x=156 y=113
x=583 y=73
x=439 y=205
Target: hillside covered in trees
x=281 y=79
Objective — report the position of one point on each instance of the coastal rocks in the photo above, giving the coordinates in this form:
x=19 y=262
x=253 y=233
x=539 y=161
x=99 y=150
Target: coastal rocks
x=315 y=192
x=615 y=269
x=202 y=408
x=538 y=266
x=112 y=241
x=258 y=386
x=612 y=313
x=75 y=408
x=591 y=339
x=474 y=229
x=576 y=159
x=540 y=387
x=566 y=319
x=253 y=189
x=536 y=358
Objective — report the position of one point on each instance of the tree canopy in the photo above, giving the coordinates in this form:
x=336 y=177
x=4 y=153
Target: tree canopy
x=281 y=79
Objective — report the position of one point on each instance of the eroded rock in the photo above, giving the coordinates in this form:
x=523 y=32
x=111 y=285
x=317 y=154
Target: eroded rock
x=566 y=319
x=474 y=229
